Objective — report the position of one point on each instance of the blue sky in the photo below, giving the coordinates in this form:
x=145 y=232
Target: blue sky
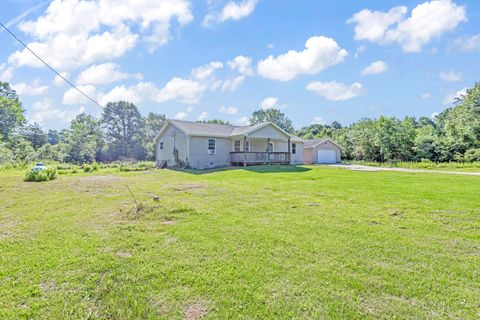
x=318 y=61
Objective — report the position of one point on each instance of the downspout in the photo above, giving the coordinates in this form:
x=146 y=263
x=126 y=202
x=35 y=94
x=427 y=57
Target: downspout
x=188 y=151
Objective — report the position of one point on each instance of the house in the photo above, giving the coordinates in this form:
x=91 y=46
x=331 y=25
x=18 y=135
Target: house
x=205 y=145
x=321 y=151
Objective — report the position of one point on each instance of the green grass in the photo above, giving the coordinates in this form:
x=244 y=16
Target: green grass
x=428 y=165
x=264 y=243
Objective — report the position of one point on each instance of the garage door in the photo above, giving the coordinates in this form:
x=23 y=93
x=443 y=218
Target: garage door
x=327 y=156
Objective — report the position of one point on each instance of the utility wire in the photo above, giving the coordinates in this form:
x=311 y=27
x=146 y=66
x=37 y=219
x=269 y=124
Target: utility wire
x=50 y=67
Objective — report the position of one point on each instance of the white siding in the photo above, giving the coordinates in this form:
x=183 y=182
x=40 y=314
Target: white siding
x=268 y=132
x=177 y=140
x=326 y=145
x=199 y=157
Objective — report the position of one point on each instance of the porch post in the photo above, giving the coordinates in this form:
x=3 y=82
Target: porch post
x=244 y=151
x=268 y=150
x=289 y=157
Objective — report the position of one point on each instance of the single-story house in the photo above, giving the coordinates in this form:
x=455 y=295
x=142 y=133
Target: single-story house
x=205 y=145
x=323 y=151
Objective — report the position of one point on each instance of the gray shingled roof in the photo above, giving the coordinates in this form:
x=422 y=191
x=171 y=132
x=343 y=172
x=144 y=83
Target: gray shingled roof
x=315 y=142
x=199 y=128
x=217 y=130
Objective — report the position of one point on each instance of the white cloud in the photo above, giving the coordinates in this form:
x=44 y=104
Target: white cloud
x=373 y=25
x=229 y=110
x=319 y=54
x=66 y=44
x=427 y=21
x=243 y=121
x=375 y=68
x=318 y=120
x=34 y=89
x=450 y=76
x=73 y=97
x=450 y=98
x=184 y=90
x=232 y=84
x=44 y=111
x=269 y=102
x=233 y=10
x=6 y=73
x=58 y=81
x=242 y=64
x=203 y=116
x=207 y=71
x=466 y=44
x=181 y=115
x=335 y=91
x=121 y=93
x=104 y=74
x=426 y=95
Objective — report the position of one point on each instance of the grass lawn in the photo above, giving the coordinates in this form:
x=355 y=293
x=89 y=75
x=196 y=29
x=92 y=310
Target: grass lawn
x=266 y=242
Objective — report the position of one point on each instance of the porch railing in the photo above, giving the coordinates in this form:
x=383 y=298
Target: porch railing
x=251 y=158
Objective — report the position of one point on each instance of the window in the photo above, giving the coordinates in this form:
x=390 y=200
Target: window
x=294 y=148
x=246 y=147
x=236 y=145
x=211 y=146
x=161 y=145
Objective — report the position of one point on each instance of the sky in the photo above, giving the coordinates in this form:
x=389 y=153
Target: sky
x=317 y=61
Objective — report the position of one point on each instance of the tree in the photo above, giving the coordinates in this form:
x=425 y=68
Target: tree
x=153 y=124
x=84 y=140
x=34 y=134
x=6 y=155
x=125 y=126
x=11 y=116
x=215 y=121
x=272 y=115
x=53 y=137
x=7 y=92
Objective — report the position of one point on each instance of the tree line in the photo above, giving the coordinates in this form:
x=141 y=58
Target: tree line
x=122 y=133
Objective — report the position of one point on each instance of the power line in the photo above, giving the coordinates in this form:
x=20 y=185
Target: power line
x=50 y=67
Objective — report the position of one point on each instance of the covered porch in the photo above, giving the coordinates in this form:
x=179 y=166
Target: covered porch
x=258 y=151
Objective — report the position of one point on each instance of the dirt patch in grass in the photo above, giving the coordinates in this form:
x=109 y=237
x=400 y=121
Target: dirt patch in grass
x=195 y=311
x=190 y=186
x=47 y=287
x=124 y=254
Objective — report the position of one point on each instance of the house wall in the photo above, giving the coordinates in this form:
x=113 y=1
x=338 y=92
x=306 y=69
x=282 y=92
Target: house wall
x=177 y=140
x=308 y=156
x=325 y=145
x=268 y=132
x=199 y=157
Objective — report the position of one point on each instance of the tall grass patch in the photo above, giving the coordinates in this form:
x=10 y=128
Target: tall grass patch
x=41 y=175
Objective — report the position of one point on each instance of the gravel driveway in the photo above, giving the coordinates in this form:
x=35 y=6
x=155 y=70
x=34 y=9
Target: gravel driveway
x=356 y=167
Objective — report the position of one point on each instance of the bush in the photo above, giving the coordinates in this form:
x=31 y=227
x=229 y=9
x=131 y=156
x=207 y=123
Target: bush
x=41 y=175
x=91 y=168
x=139 y=166
x=472 y=155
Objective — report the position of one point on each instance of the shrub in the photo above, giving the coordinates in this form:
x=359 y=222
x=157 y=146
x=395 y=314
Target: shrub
x=139 y=166
x=472 y=155
x=41 y=175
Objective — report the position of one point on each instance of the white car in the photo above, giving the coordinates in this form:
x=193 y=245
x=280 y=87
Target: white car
x=39 y=167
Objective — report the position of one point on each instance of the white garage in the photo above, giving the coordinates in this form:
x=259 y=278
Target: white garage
x=324 y=151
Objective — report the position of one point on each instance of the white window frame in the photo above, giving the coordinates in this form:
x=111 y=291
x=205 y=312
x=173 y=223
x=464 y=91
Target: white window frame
x=294 y=148
x=214 y=145
x=239 y=145
x=248 y=146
